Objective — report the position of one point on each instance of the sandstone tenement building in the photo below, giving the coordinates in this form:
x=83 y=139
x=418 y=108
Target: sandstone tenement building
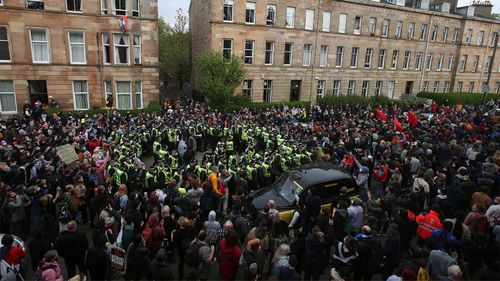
x=306 y=49
x=76 y=52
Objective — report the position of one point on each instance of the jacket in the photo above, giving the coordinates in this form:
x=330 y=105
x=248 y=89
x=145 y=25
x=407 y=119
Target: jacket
x=212 y=227
x=229 y=260
x=72 y=246
x=51 y=271
x=153 y=234
x=427 y=223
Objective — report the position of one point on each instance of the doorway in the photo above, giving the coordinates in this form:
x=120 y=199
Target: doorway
x=38 y=91
x=295 y=90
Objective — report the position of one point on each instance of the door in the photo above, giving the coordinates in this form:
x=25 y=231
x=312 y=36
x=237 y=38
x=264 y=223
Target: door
x=295 y=90
x=409 y=87
x=38 y=91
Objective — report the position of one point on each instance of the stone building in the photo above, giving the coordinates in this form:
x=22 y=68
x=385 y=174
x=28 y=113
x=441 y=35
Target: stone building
x=306 y=49
x=77 y=52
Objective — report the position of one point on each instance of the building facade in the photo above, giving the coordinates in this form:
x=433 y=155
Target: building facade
x=307 y=49
x=77 y=52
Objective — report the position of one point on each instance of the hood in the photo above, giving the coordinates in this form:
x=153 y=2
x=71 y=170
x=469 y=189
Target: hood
x=153 y=220
x=211 y=216
x=262 y=196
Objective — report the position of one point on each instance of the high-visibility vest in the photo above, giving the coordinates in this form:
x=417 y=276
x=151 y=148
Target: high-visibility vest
x=267 y=172
x=229 y=146
x=427 y=223
x=118 y=176
x=148 y=177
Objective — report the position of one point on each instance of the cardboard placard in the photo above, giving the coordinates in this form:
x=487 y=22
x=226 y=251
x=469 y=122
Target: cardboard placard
x=67 y=153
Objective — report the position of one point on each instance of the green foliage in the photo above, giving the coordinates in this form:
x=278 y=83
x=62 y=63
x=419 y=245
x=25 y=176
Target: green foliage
x=174 y=48
x=151 y=108
x=258 y=105
x=458 y=98
x=219 y=77
x=334 y=101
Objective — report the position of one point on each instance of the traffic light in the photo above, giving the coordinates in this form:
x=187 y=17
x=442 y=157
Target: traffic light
x=109 y=101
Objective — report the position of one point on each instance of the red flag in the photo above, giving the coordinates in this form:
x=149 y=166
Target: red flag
x=412 y=119
x=397 y=124
x=381 y=115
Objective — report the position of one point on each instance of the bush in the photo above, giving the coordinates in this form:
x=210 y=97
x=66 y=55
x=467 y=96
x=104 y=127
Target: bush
x=458 y=98
x=334 y=101
x=238 y=103
x=151 y=108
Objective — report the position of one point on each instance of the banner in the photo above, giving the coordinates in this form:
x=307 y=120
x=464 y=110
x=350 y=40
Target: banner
x=67 y=153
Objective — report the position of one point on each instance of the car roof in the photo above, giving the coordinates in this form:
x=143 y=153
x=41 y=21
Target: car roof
x=318 y=172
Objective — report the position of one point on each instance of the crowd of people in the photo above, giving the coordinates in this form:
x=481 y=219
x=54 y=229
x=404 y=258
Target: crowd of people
x=170 y=189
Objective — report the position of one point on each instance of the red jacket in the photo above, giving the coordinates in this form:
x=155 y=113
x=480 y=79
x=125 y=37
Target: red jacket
x=229 y=260
x=382 y=174
x=15 y=255
x=427 y=223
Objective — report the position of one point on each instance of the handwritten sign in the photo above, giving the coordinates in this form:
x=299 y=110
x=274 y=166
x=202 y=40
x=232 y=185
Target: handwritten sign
x=118 y=258
x=67 y=153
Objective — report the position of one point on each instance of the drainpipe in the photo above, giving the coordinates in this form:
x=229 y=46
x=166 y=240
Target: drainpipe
x=490 y=67
x=423 y=65
x=314 y=52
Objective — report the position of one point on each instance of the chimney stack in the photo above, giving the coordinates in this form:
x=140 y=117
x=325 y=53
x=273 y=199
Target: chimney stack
x=482 y=8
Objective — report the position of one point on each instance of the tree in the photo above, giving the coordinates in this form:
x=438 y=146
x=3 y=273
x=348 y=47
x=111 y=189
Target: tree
x=174 y=48
x=219 y=76
x=495 y=15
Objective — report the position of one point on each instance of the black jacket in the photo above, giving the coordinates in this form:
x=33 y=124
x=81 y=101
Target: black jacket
x=72 y=246
x=97 y=262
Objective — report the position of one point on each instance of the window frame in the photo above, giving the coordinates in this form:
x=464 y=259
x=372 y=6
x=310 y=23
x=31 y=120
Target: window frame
x=382 y=54
x=137 y=47
x=247 y=9
x=379 y=84
x=271 y=21
x=289 y=9
x=365 y=88
x=42 y=7
x=418 y=60
x=351 y=88
x=47 y=35
x=429 y=61
x=138 y=93
x=470 y=88
x=104 y=45
x=468 y=36
x=372 y=26
x=271 y=53
x=80 y=44
x=9 y=93
x=342 y=23
x=423 y=32
x=411 y=31
x=456 y=33
x=446 y=87
x=115 y=50
x=434 y=32
x=425 y=86
x=385 y=28
x=337 y=86
x=80 y=93
x=475 y=63
x=324 y=54
x=289 y=52
x=269 y=88
x=104 y=7
x=339 y=58
x=245 y=56
x=435 y=87
x=399 y=29
x=309 y=26
x=246 y=88
x=394 y=59
x=368 y=58
x=136 y=13
x=407 y=60
x=463 y=63
x=460 y=86
x=129 y=95
x=309 y=55
x=358 y=25
x=8 y=45
x=224 y=48
x=106 y=92
x=122 y=12
x=71 y=11
x=354 y=57
x=451 y=59
x=440 y=61
x=480 y=38
x=230 y=5
x=320 y=89
x=325 y=27
x=444 y=39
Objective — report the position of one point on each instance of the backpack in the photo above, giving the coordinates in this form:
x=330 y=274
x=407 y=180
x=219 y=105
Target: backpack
x=37 y=276
x=192 y=257
x=64 y=214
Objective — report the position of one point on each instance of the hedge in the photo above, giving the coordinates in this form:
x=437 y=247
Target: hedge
x=151 y=108
x=458 y=98
x=335 y=101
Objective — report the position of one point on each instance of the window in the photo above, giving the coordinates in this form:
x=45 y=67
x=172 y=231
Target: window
x=463 y=63
x=107 y=89
x=268 y=90
x=491 y=41
x=7 y=97
x=385 y=28
x=451 y=58
x=39 y=45
x=395 y=57
x=34 y=4
x=74 y=5
x=365 y=88
x=138 y=94
x=399 y=29
x=271 y=15
x=440 y=62
x=418 y=60
x=290 y=17
x=336 y=88
x=411 y=30
x=342 y=22
x=390 y=89
x=269 y=57
x=423 y=31
x=460 y=85
x=340 y=56
x=1 y=2
x=309 y=20
x=247 y=88
x=136 y=11
x=228 y=10
x=455 y=35
x=357 y=25
x=372 y=25
x=368 y=58
x=250 y=13
x=80 y=95
x=306 y=60
x=227 y=48
x=471 y=87
x=475 y=63
x=378 y=88
x=249 y=51
x=123 y=95
x=320 y=89
x=487 y=63
x=428 y=65
x=436 y=87
x=77 y=47
x=4 y=45
x=354 y=57
x=468 y=36
x=120 y=7
x=122 y=54
x=434 y=33
x=381 y=58
x=323 y=56
x=426 y=86
x=104 y=7
x=480 y=38
x=407 y=60
x=106 y=51
x=137 y=49
x=351 y=87
x=326 y=21
x=287 y=60
x=497 y=88
x=445 y=34
x=446 y=87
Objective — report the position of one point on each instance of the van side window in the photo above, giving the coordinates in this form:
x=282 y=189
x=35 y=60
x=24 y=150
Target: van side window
x=326 y=190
